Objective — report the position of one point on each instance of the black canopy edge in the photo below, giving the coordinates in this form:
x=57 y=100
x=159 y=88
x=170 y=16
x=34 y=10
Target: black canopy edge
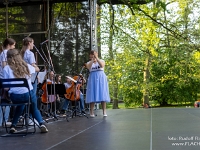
x=13 y=3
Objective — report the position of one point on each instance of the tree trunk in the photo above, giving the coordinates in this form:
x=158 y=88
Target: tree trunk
x=115 y=99
x=98 y=27
x=115 y=92
x=146 y=82
x=77 y=40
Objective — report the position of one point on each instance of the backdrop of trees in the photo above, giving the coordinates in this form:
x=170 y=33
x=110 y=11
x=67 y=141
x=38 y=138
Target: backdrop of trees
x=151 y=50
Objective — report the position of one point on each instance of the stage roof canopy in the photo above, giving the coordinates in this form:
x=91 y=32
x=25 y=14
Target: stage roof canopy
x=36 y=2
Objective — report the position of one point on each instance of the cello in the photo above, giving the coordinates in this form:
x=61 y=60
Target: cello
x=47 y=97
x=73 y=92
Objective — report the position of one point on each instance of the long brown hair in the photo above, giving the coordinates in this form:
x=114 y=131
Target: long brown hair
x=7 y=41
x=57 y=78
x=92 y=52
x=17 y=64
x=26 y=42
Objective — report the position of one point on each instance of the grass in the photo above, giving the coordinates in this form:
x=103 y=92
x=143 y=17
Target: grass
x=122 y=105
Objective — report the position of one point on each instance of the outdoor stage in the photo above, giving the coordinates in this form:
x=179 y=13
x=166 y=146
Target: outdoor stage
x=123 y=129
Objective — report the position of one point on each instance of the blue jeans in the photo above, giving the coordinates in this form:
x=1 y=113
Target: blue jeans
x=7 y=112
x=82 y=106
x=66 y=103
x=23 y=98
x=35 y=86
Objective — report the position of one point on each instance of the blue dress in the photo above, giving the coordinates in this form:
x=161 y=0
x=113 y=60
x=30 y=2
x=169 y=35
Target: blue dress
x=97 y=85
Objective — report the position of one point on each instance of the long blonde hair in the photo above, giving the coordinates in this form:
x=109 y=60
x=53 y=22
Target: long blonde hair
x=26 y=42
x=17 y=64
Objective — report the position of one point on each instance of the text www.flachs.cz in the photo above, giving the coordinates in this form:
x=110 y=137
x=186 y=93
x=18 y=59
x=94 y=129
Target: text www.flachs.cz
x=186 y=144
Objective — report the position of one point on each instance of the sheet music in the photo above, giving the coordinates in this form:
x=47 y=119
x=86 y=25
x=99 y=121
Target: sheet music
x=41 y=76
x=33 y=77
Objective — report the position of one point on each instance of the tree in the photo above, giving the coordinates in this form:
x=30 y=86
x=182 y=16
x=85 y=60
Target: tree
x=161 y=44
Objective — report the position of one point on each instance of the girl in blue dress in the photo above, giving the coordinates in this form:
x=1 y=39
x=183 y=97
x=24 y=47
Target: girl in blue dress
x=97 y=85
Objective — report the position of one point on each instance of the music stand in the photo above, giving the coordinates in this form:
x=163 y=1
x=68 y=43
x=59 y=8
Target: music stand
x=59 y=90
x=52 y=97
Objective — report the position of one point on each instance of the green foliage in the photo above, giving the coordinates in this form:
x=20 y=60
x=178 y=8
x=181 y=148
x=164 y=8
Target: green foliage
x=69 y=27
x=71 y=37
x=170 y=45
x=151 y=51
x=16 y=20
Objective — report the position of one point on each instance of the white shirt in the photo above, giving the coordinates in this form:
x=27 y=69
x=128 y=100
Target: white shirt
x=29 y=57
x=8 y=73
x=3 y=57
x=67 y=85
x=96 y=66
x=52 y=82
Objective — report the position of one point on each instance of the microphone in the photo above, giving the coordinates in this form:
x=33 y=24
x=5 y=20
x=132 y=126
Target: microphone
x=44 y=42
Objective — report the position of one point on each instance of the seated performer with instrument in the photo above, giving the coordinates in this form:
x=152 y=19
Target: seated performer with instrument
x=69 y=87
x=49 y=98
x=60 y=98
x=18 y=68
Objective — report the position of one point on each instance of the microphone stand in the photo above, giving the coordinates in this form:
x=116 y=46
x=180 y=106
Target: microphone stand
x=47 y=63
x=45 y=60
x=50 y=60
x=51 y=68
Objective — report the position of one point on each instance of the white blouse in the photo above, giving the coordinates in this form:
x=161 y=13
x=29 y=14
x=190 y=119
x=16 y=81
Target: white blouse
x=96 y=66
x=8 y=73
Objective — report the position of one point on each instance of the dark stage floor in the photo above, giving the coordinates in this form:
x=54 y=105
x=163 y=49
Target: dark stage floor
x=124 y=129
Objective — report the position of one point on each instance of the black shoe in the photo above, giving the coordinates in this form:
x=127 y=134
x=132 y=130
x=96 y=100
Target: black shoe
x=63 y=112
x=47 y=114
x=83 y=112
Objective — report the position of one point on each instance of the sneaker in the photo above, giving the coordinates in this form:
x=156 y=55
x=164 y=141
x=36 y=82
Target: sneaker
x=30 y=122
x=105 y=115
x=43 y=129
x=58 y=112
x=36 y=122
x=13 y=130
x=8 y=124
x=92 y=116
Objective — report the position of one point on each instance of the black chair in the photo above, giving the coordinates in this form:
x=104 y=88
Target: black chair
x=17 y=82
